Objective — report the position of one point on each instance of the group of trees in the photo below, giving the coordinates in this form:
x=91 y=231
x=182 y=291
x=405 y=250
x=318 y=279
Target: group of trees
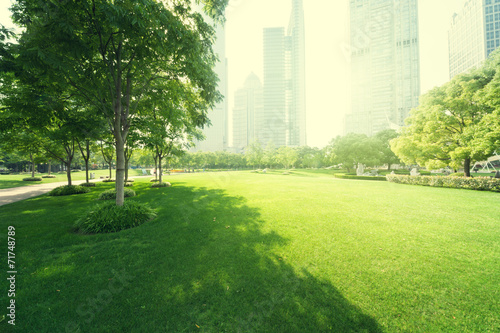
x=126 y=73
x=351 y=149
x=457 y=123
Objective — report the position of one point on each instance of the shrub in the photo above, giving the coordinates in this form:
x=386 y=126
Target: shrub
x=68 y=190
x=478 y=183
x=32 y=179
x=108 y=180
x=347 y=176
x=88 y=184
x=154 y=180
x=47 y=176
x=108 y=217
x=165 y=184
x=111 y=194
x=130 y=180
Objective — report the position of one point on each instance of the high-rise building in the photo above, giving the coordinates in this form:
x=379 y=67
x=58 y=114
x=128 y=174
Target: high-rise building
x=272 y=126
x=284 y=119
x=474 y=34
x=385 y=64
x=216 y=135
x=296 y=121
x=247 y=112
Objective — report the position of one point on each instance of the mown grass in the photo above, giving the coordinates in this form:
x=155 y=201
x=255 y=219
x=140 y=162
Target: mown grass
x=16 y=180
x=246 y=252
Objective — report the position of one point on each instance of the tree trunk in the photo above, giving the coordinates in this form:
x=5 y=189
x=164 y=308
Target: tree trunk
x=110 y=167
x=467 y=167
x=32 y=165
x=68 y=172
x=159 y=170
x=120 y=169
x=126 y=170
x=50 y=166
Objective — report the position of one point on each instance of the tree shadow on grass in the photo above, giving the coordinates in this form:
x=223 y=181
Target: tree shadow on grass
x=204 y=265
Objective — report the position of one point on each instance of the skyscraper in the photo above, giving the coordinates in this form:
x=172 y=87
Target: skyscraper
x=247 y=112
x=474 y=34
x=284 y=119
x=297 y=104
x=272 y=126
x=216 y=135
x=385 y=64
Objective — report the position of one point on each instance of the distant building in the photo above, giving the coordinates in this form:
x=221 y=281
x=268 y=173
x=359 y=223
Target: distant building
x=385 y=64
x=217 y=134
x=247 y=112
x=272 y=126
x=474 y=34
x=284 y=119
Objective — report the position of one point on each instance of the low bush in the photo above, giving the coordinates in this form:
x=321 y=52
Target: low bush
x=127 y=184
x=130 y=180
x=347 y=176
x=32 y=179
x=48 y=176
x=107 y=180
x=109 y=217
x=478 y=183
x=153 y=180
x=68 y=190
x=88 y=184
x=165 y=184
x=111 y=194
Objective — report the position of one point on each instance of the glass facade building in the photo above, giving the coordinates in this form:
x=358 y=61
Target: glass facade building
x=385 y=64
x=284 y=118
x=216 y=135
x=474 y=34
x=248 y=111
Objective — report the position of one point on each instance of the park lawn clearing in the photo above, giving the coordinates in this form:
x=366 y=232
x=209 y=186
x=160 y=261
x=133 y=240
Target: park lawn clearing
x=16 y=180
x=251 y=252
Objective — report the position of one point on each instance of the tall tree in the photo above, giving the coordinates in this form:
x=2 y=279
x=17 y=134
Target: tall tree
x=442 y=129
x=111 y=51
x=351 y=149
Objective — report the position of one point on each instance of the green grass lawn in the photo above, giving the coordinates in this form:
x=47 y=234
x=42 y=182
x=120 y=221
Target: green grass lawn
x=16 y=180
x=248 y=252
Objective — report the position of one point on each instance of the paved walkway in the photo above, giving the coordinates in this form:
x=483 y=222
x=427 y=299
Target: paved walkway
x=10 y=195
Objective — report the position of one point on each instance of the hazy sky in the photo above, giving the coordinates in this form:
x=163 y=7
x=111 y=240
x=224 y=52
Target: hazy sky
x=327 y=65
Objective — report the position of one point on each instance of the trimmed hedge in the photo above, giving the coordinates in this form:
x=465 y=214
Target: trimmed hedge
x=108 y=217
x=154 y=180
x=478 y=183
x=47 y=176
x=32 y=179
x=88 y=184
x=68 y=190
x=163 y=184
x=344 y=176
x=107 y=180
x=111 y=194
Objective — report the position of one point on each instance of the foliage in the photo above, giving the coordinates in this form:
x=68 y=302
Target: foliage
x=351 y=149
x=109 y=53
x=344 y=176
x=254 y=154
x=443 y=130
x=88 y=184
x=478 y=183
x=32 y=179
x=286 y=156
x=68 y=190
x=47 y=176
x=108 y=217
x=111 y=194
